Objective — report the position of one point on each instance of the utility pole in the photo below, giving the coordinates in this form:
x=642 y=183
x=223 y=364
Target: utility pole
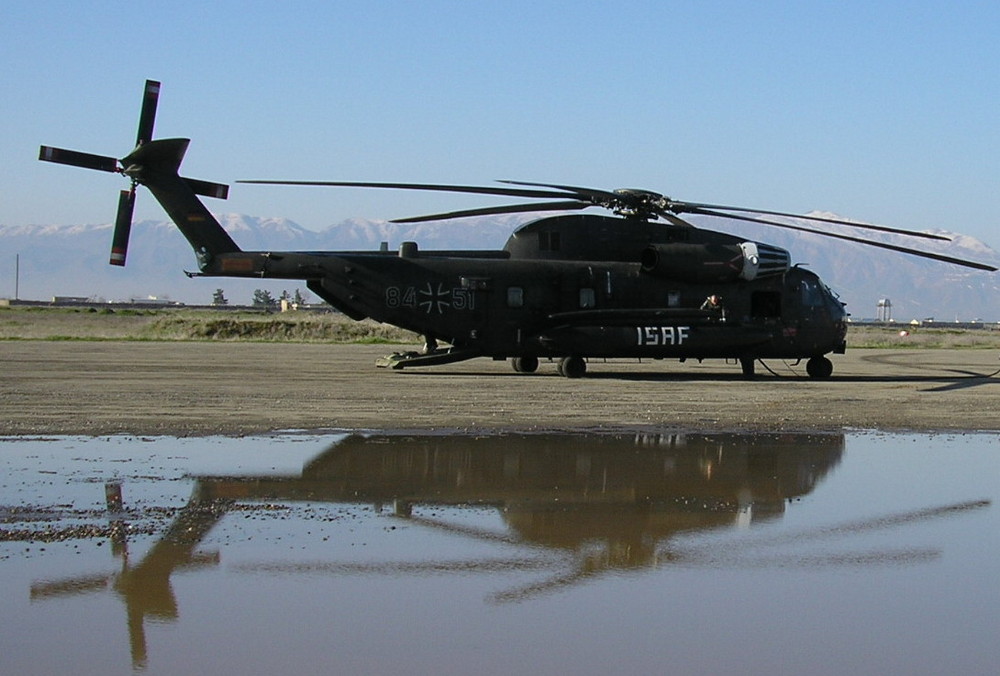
x=17 y=276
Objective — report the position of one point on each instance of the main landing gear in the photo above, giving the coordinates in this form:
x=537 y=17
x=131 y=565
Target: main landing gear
x=571 y=367
x=525 y=364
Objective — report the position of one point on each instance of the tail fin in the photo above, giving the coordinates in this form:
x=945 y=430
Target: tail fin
x=155 y=165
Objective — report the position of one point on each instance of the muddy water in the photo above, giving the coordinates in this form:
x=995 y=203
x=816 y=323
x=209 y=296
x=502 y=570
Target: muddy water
x=508 y=554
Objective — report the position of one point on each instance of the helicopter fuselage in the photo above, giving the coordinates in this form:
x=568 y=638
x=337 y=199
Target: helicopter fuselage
x=560 y=289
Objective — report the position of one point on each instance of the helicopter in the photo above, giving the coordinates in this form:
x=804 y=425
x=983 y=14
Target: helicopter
x=641 y=283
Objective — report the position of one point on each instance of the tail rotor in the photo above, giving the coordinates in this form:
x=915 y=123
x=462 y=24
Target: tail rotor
x=133 y=170
x=126 y=201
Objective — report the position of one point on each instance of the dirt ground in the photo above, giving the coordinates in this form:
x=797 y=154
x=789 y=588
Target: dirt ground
x=182 y=388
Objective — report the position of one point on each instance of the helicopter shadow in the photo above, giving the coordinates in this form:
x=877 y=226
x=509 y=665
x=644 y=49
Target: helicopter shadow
x=951 y=379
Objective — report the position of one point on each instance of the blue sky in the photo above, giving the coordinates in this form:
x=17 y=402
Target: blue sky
x=881 y=111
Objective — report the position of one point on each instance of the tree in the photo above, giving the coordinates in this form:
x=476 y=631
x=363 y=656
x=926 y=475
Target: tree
x=219 y=298
x=298 y=298
x=263 y=298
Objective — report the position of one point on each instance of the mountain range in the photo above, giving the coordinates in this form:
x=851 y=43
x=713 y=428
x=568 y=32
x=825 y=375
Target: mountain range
x=72 y=260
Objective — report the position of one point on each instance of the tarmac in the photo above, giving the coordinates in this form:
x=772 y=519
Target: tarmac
x=202 y=388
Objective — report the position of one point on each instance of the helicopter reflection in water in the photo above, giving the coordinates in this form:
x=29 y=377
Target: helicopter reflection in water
x=591 y=504
x=564 y=492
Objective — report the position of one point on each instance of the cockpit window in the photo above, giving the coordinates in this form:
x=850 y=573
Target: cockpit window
x=812 y=293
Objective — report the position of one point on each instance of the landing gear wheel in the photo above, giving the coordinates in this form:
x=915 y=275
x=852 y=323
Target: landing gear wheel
x=747 y=364
x=819 y=367
x=572 y=367
x=525 y=364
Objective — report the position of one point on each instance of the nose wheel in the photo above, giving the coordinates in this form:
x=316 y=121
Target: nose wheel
x=819 y=367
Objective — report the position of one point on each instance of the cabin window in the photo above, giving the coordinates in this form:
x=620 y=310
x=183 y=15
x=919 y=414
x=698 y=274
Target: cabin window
x=548 y=241
x=587 y=298
x=475 y=283
x=673 y=298
x=515 y=296
x=765 y=304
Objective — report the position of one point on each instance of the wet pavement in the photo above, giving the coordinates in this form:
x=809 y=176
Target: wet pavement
x=641 y=552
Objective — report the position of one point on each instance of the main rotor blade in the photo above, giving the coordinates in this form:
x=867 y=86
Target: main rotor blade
x=823 y=219
x=147 y=115
x=674 y=219
x=77 y=159
x=848 y=238
x=478 y=190
x=587 y=193
x=490 y=211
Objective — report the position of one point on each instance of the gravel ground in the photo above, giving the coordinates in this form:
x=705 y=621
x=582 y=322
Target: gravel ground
x=195 y=388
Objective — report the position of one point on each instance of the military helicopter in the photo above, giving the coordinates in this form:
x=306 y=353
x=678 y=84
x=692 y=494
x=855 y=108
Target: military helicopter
x=642 y=283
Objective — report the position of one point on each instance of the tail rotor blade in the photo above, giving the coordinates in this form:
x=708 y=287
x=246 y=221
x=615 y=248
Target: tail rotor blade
x=77 y=159
x=207 y=188
x=123 y=226
x=148 y=114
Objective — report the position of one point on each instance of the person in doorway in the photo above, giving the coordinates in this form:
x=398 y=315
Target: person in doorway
x=713 y=303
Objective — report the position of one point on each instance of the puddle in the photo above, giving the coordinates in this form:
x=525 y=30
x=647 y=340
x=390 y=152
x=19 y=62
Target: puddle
x=507 y=554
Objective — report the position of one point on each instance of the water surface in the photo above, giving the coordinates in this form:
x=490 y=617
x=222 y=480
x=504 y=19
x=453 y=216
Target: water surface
x=502 y=554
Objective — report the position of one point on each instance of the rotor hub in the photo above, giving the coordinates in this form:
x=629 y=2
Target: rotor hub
x=638 y=203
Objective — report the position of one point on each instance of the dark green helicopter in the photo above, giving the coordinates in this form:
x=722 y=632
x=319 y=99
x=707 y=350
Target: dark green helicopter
x=643 y=283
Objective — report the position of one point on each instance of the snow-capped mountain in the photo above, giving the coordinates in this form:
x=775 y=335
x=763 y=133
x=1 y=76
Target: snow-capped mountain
x=72 y=260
